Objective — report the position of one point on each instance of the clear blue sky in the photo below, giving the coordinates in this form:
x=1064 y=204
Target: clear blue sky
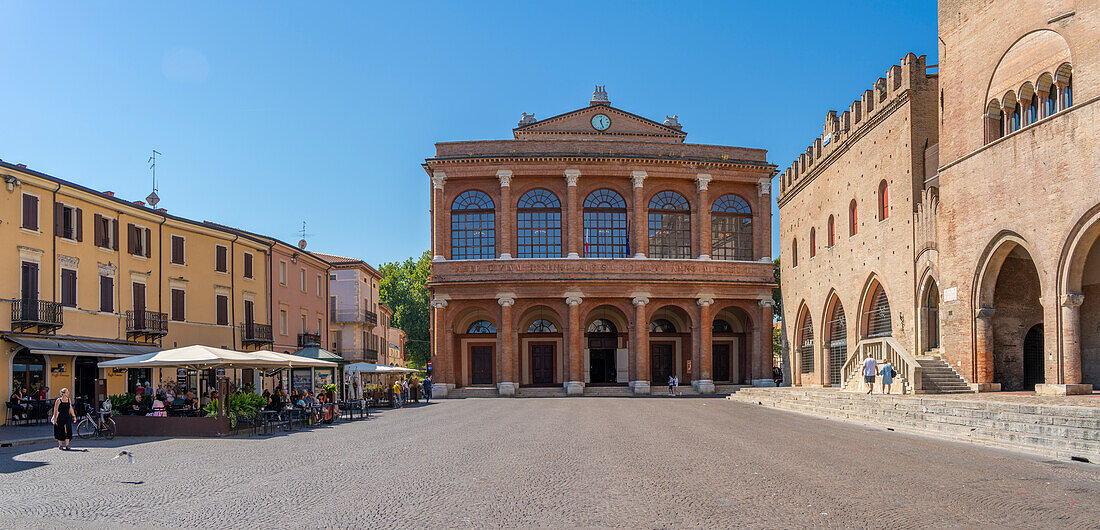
x=271 y=113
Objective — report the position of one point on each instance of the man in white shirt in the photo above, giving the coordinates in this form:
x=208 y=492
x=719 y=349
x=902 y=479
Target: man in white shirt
x=870 y=370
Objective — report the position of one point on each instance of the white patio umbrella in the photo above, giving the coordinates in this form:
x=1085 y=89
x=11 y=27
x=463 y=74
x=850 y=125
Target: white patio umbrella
x=292 y=361
x=195 y=357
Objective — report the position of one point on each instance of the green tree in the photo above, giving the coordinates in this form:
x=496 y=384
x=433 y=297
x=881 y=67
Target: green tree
x=404 y=289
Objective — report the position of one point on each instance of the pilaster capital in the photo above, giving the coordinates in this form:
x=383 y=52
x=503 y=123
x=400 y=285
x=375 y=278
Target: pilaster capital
x=1072 y=299
x=767 y=302
x=764 y=187
x=573 y=300
x=505 y=176
x=438 y=303
x=702 y=180
x=571 y=176
x=984 y=312
x=639 y=301
x=506 y=301
x=438 y=178
x=638 y=177
x=705 y=301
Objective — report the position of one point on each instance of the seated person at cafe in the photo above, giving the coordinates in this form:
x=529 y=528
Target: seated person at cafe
x=140 y=406
x=18 y=411
x=159 y=408
x=43 y=394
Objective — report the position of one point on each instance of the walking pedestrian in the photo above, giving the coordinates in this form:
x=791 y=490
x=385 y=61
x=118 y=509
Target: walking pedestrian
x=676 y=385
x=63 y=418
x=887 y=372
x=404 y=390
x=870 y=369
x=397 y=394
x=428 y=389
x=670 y=384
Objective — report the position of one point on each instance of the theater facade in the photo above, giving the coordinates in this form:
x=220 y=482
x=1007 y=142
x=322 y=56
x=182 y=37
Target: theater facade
x=597 y=248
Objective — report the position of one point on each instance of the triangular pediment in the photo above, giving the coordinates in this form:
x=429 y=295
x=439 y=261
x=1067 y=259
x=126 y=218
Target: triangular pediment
x=578 y=124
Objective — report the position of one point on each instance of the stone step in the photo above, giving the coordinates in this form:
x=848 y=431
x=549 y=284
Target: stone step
x=473 y=392
x=540 y=392
x=1047 y=429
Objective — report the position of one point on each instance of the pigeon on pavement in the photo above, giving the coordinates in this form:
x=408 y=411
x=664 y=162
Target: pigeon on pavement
x=127 y=454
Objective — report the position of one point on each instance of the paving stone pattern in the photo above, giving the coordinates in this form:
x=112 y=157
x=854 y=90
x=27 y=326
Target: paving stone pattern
x=568 y=462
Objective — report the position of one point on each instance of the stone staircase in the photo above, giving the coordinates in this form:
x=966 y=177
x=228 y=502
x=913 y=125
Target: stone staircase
x=473 y=392
x=939 y=377
x=1057 y=430
x=536 y=392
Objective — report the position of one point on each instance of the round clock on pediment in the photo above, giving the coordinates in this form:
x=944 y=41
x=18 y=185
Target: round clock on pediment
x=601 y=122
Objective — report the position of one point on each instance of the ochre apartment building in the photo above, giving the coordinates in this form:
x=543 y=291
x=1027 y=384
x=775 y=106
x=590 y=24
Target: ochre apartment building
x=948 y=220
x=596 y=247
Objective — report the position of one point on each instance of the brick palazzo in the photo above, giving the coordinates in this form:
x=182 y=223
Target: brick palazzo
x=597 y=248
x=949 y=220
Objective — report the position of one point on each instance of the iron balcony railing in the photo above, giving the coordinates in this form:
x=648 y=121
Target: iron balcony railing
x=42 y=314
x=357 y=354
x=147 y=323
x=309 y=339
x=255 y=333
x=354 y=315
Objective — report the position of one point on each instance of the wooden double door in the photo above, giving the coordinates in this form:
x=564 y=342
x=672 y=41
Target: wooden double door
x=481 y=365
x=542 y=364
x=662 y=361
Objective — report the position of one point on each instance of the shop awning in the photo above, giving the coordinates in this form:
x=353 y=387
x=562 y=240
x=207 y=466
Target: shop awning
x=63 y=346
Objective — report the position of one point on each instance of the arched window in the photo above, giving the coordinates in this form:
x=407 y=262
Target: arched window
x=1016 y=117
x=883 y=201
x=605 y=229
x=602 y=325
x=832 y=231
x=806 y=343
x=853 y=218
x=1065 y=75
x=482 y=327
x=1033 y=110
x=813 y=242
x=661 y=325
x=994 y=121
x=731 y=229
x=1052 y=100
x=721 y=326
x=473 y=226
x=542 y=326
x=837 y=327
x=538 y=225
x=669 y=226
x=794 y=252
x=878 y=315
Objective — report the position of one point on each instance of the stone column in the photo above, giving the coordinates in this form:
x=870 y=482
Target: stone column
x=640 y=385
x=506 y=218
x=1040 y=102
x=1006 y=123
x=762 y=373
x=1060 y=104
x=639 y=233
x=574 y=228
x=702 y=210
x=983 y=366
x=1071 y=338
x=442 y=378
x=574 y=384
x=507 y=385
x=704 y=380
x=439 y=224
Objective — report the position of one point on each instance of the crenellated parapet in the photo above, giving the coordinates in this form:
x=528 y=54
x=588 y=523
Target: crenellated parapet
x=844 y=127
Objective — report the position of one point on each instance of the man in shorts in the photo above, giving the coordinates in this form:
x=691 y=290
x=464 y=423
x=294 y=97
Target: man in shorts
x=870 y=369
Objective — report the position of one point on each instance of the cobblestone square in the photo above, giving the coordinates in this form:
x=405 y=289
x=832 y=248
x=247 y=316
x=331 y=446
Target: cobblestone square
x=557 y=462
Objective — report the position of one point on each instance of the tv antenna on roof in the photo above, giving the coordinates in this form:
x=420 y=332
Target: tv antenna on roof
x=153 y=198
x=303 y=233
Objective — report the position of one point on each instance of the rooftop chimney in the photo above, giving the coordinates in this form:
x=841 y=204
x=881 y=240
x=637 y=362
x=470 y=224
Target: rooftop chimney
x=599 y=96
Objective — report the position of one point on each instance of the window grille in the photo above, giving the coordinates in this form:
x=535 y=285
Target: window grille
x=473 y=226
x=669 y=226
x=542 y=326
x=838 y=343
x=481 y=327
x=601 y=326
x=806 y=344
x=605 y=227
x=538 y=222
x=731 y=229
x=878 y=316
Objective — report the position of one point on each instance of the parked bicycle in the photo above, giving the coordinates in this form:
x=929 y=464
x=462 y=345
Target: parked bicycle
x=103 y=426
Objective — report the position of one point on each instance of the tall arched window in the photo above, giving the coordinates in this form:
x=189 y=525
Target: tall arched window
x=669 y=226
x=883 y=201
x=731 y=229
x=853 y=219
x=837 y=328
x=806 y=343
x=605 y=229
x=1016 y=117
x=1033 y=110
x=538 y=225
x=794 y=252
x=473 y=226
x=1065 y=74
x=1052 y=100
x=832 y=231
x=813 y=242
x=994 y=121
x=481 y=327
x=878 y=314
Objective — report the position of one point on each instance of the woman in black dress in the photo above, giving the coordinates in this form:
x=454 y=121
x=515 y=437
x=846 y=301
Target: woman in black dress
x=63 y=418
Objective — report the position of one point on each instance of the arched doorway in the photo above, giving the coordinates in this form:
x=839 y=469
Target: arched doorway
x=930 y=317
x=876 y=314
x=670 y=346
x=804 y=340
x=730 y=361
x=481 y=353
x=1033 y=357
x=836 y=340
x=1080 y=303
x=603 y=341
x=1009 y=300
x=541 y=345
